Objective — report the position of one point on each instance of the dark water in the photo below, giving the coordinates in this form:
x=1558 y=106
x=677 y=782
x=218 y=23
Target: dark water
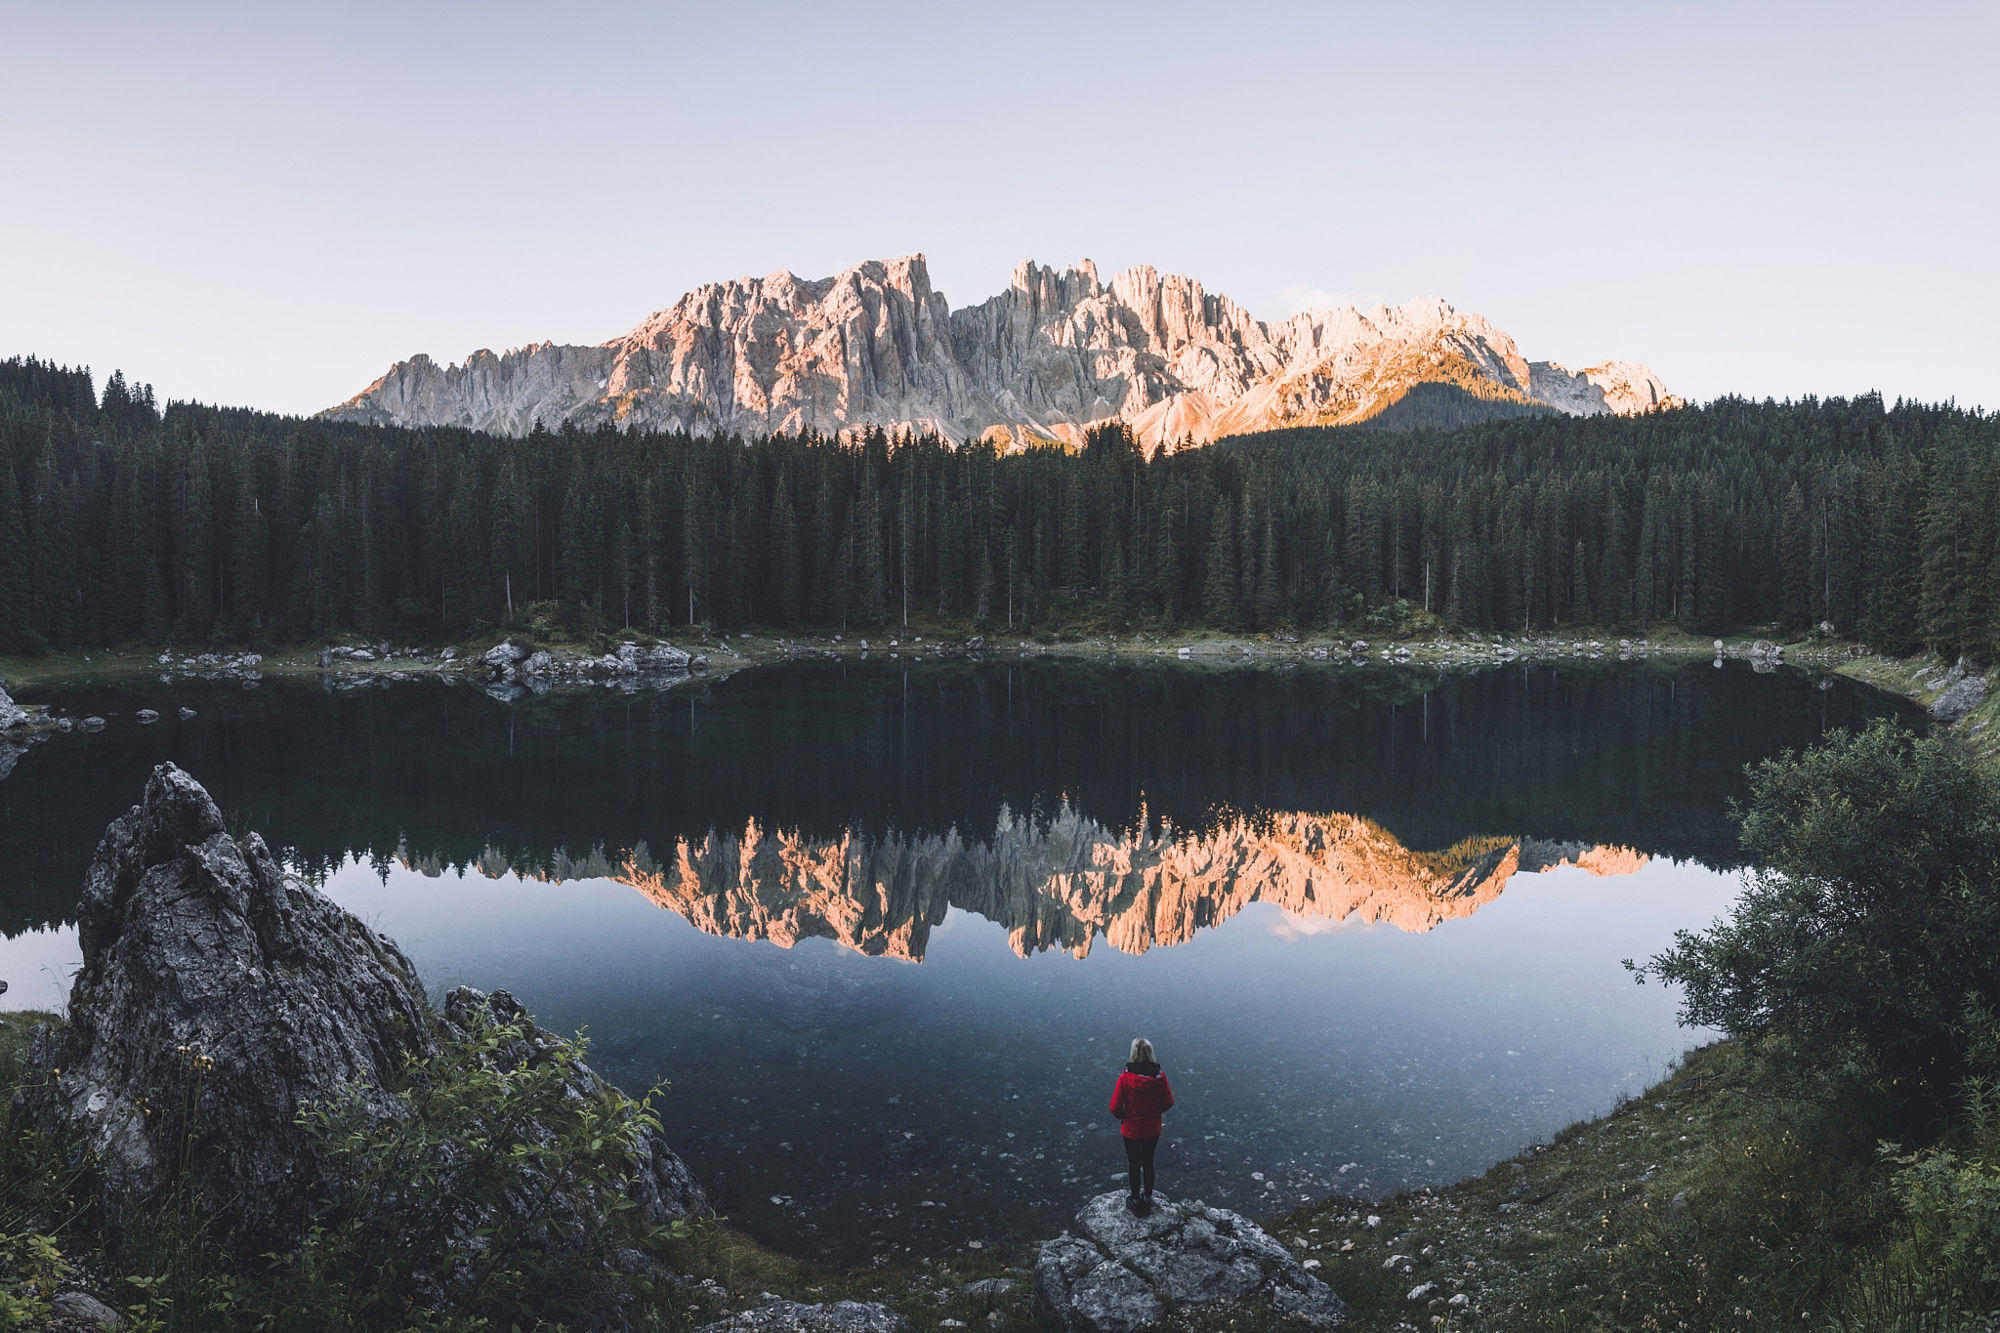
x=1373 y=921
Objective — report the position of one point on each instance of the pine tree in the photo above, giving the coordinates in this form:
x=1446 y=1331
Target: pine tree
x=787 y=572
x=624 y=569
x=249 y=560
x=1945 y=585
x=194 y=532
x=1794 y=561
x=1218 y=599
x=1890 y=623
x=874 y=561
x=1364 y=540
x=696 y=538
x=1269 y=608
x=1579 y=593
x=509 y=556
x=15 y=567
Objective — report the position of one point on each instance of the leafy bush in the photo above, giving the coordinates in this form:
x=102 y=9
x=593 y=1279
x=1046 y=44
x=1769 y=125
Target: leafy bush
x=1848 y=961
x=1947 y=1258
x=31 y=1269
x=492 y=1191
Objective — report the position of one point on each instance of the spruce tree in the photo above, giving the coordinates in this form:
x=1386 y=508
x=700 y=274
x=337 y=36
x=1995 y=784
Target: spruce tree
x=1218 y=599
x=1579 y=593
x=15 y=571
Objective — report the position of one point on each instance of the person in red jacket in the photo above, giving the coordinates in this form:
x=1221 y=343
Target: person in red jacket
x=1140 y=1099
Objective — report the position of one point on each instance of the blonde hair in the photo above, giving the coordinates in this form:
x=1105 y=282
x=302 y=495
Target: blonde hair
x=1142 y=1052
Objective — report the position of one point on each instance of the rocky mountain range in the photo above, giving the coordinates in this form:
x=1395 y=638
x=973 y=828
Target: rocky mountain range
x=1055 y=353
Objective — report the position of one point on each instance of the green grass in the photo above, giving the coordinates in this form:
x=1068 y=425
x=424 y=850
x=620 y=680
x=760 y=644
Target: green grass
x=16 y=1026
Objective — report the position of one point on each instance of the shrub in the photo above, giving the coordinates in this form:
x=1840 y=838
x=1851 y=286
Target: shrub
x=1848 y=961
x=31 y=1270
x=492 y=1191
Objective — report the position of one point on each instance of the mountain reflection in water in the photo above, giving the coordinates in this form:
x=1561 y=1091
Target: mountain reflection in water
x=1065 y=881
x=1633 y=755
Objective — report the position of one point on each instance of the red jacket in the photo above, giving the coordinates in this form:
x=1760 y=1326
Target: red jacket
x=1139 y=1100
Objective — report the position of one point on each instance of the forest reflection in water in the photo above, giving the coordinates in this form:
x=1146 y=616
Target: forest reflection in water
x=995 y=820
x=1635 y=755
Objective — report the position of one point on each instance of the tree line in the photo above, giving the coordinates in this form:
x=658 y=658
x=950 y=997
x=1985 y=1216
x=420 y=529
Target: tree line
x=125 y=521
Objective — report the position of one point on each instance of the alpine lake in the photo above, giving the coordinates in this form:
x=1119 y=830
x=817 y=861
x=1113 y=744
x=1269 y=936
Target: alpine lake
x=884 y=930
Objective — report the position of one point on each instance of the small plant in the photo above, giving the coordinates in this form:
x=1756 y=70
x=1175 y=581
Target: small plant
x=31 y=1270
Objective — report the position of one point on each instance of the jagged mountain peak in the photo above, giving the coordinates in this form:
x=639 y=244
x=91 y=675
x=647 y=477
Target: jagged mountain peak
x=1058 y=351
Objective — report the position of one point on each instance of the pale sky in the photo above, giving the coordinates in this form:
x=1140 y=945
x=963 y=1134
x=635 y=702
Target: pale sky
x=267 y=204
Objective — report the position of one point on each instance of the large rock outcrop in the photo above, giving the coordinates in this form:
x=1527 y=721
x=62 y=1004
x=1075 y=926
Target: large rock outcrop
x=218 y=998
x=1121 y=1273
x=1056 y=352
x=210 y=975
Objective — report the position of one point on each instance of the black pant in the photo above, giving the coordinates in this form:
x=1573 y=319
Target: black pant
x=1139 y=1163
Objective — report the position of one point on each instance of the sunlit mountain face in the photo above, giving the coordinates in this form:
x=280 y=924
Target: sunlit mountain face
x=1056 y=353
x=1067 y=881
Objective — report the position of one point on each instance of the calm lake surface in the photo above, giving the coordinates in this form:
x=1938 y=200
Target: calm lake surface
x=885 y=930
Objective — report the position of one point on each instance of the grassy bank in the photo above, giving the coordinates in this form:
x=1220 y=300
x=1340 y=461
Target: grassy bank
x=1923 y=680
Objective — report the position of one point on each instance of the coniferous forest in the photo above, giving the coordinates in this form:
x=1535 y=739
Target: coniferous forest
x=121 y=521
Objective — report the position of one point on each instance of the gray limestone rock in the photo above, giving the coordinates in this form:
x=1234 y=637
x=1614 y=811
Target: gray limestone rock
x=1126 y=1272
x=11 y=714
x=503 y=654
x=793 y=1317
x=11 y=751
x=1959 y=699
x=86 y=1310
x=211 y=978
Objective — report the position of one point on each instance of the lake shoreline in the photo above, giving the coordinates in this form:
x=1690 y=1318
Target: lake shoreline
x=354 y=660
x=570 y=668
